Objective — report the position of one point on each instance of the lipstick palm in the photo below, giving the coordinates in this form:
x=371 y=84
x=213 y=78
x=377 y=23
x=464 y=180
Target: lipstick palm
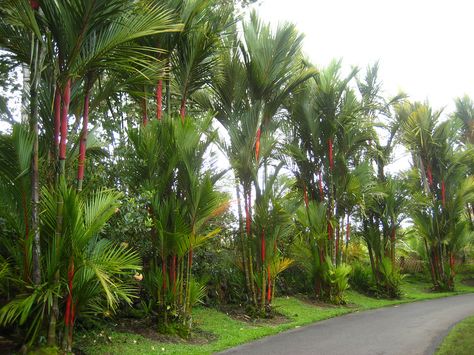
x=93 y=283
x=257 y=75
x=183 y=199
x=442 y=169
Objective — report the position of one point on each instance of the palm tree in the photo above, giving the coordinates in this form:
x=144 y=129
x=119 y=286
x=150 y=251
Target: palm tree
x=183 y=199
x=93 y=282
x=327 y=137
x=441 y=168
x=465 y=113
x=257 y=75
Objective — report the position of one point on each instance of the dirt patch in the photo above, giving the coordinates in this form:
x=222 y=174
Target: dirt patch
x=468 y=282
x=239 y=313
x=321 y=304
x=147 y=329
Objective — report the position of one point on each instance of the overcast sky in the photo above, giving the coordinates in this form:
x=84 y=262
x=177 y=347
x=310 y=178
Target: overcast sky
x=425 y=48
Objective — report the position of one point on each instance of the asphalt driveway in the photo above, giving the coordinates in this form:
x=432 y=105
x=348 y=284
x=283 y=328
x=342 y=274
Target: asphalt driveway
x=412 y=328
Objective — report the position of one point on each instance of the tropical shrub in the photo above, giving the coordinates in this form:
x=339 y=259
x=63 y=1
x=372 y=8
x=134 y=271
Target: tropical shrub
x=361 y=278
x=89 y=275
x=337 y=277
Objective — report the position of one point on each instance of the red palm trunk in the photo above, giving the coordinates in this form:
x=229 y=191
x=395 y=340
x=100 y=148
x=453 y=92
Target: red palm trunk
x=257 y=145
x=331 y=158
x=83 y=143
x=159 y=99
x=66 y=98
x=182 y=111
x=34 y=4
x=429 y=175
x=451 y=263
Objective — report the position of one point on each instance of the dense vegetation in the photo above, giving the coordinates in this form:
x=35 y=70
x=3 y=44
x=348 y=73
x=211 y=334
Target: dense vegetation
x=169 y=153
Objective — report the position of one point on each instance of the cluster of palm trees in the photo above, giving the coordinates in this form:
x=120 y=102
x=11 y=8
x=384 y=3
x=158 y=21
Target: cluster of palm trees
x=173 y=84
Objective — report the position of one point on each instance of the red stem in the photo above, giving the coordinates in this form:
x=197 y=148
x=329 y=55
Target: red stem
x=66 y=98
x=257 y=145
x=182 y=111
x=34 y=4
x=331 y=159
x=429 y=175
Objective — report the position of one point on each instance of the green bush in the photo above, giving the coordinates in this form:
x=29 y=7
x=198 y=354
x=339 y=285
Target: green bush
x=361 y=278
x=387 y=284
x=338 y=279
x=390 y=280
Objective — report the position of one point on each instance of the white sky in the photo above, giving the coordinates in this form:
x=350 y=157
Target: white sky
x=425 y=48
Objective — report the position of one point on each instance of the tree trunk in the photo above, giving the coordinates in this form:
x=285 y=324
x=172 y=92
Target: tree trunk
x=64 y=127
x=145 y=114
x=68 y=314
x=182 y=110
x=83 y=140
x=159 y=99
x=25 y=92
x=36 y=251
x=242 y=241
x=392 y=246
x=57 y=120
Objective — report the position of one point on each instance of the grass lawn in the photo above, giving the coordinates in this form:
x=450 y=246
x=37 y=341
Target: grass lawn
x=460 y=340
x=228 y=332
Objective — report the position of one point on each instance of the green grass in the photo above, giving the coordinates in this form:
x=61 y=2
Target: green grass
x=460 y=340
x=230 y=332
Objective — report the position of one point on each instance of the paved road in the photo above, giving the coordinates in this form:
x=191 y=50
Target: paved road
x=413 y=328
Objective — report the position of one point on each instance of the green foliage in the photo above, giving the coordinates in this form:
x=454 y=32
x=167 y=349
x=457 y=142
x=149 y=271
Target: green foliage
x=390 y=280
x=361 y=278
x=338 y=279
x=102 y=274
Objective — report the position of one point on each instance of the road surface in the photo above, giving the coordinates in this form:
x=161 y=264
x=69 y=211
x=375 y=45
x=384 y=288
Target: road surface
x=412 y=328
